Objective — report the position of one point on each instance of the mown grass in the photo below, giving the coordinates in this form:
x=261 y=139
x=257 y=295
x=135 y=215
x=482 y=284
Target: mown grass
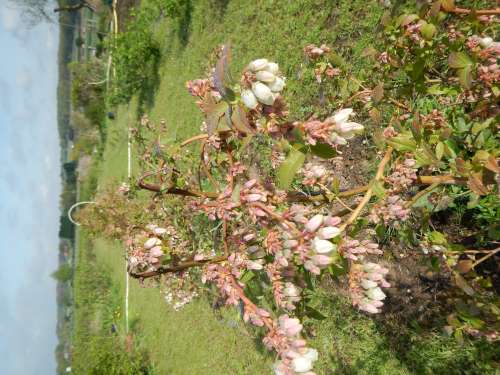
x=197 y=340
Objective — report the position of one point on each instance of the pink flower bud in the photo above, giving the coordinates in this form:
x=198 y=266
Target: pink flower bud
x=321 y=260
x=290 y=244
x=333 y=221
x=156 y=251
x=152 y=242
x=249 y=237
x=314 y=223
x=327 y=233
x=253 y=197
x=251 y=265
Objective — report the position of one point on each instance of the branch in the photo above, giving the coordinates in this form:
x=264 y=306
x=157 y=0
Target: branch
x=177 y=268
x=378 y=176
x=479 y=12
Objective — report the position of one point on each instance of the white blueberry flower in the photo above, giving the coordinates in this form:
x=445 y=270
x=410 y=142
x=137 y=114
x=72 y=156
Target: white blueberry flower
x=272 y=67
x=263 y=93
x=265 y=76
x=277 y=85
x=375 y=294
x=249 y=99
x=342 y=115
x=258 y=64
x=301 y=364
x=368 y=284
x=485 y=42
x=322 y=246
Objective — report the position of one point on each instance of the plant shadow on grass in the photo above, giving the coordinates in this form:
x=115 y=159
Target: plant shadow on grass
x=150 y=86
x=184 y=23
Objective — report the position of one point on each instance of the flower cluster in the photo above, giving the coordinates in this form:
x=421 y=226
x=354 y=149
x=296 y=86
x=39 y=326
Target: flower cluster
x=392 y=210
x=313 y=246
x=296 y=357
x=262 y=83
x=335 y=130
x=147 y=249
x=314 y=52
x=365 y=283
x=320 y=171
x=356 y=250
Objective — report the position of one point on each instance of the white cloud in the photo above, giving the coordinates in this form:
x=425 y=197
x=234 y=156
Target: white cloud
x=24 y=78
x=9 y=18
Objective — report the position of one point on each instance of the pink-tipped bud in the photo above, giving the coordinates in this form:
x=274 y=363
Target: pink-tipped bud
x=152 y=242
x=327 y=233
x=314 y=223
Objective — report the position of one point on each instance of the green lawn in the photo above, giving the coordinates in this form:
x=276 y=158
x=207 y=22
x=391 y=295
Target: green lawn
x=197 y=340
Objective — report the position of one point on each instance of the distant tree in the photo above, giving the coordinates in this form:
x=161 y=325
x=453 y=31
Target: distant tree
x=64 y=273
x=36 y=11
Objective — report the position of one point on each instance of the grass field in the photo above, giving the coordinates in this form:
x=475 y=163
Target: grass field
x=198 y=340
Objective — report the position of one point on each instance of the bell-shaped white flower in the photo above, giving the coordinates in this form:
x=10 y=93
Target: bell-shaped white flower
x=485 y=42
x=327 y=233
x=265 y=76
x=278 y=85
x=159 y=231
x=291 y=290
x=342 y=115
x=322 y=246
x=258 y=64
x=263 y=93
x=375 y=294
x=368 y=284
x=301 y=364
x=249 y=99
x=314 y=223
x=337 y=139
x=350 y=129
x=272 y=67
x=311 y=354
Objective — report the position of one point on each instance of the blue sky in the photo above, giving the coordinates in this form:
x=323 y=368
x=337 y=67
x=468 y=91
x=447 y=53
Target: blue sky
x=29 y=195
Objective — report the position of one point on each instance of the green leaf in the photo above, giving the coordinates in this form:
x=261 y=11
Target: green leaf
x=247 y=276
x=323 y=150
x=378 y=189
x=479 y=126
x=437 y=238
x=440 y=150
x=428 y=31
x=459 y=60
x=465 y=76
x=403 y=142
x=289 y=168
x=313 y=313
x=406 y=19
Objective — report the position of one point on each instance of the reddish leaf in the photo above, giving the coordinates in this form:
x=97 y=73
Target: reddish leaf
x=378 y=92
x=475 y=183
